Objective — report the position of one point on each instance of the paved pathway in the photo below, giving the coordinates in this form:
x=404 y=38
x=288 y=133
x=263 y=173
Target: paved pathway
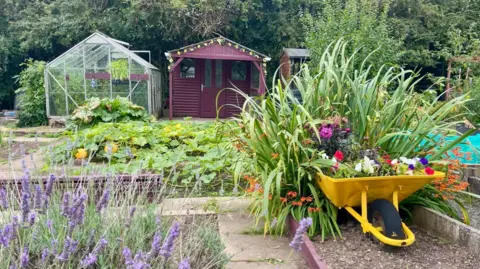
x=250 y=249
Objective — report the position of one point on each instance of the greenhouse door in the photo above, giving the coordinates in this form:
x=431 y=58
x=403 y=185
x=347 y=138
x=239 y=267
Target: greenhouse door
x=212 y=84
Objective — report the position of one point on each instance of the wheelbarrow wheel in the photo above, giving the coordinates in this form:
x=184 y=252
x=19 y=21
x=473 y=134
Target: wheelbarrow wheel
x=383 y=214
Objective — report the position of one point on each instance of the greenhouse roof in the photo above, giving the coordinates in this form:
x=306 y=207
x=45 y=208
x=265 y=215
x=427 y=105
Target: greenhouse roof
x=99 y=38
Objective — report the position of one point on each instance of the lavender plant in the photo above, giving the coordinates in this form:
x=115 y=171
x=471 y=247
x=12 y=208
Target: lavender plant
x=87 y=223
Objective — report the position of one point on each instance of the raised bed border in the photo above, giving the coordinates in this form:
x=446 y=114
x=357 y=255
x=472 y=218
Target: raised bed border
x=447 y=228
x=308 y=251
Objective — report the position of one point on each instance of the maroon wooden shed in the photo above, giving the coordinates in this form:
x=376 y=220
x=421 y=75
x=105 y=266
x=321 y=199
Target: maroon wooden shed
x=199 y=72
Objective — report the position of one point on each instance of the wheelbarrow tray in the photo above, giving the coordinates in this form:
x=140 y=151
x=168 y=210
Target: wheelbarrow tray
x=348 y=191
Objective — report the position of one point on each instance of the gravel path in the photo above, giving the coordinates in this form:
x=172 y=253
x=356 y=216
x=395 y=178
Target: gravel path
x=358 y=252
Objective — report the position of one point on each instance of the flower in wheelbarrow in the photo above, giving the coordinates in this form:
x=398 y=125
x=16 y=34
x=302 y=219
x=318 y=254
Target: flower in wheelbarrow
x=298 y=241
x=326 y=132
x=423 y=161
x=338 y=155
x=429 y=171
x=81 y=154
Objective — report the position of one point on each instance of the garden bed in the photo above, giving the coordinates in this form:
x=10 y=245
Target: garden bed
x=357 y=251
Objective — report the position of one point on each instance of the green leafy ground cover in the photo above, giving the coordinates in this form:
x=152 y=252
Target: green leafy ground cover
x=186 y=151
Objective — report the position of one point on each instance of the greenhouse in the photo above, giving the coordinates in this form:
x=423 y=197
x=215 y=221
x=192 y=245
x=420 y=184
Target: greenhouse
x=101 y=66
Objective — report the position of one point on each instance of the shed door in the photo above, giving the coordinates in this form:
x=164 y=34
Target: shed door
x=213 y=83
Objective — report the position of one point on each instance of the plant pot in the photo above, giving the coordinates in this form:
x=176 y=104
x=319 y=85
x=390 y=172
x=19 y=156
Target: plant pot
x=348 y=191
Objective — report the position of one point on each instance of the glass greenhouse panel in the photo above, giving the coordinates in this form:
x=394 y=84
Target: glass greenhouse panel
x=140 y=94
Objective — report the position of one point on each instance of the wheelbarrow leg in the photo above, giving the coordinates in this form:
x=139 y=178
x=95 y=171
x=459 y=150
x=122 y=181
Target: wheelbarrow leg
x=364 y=208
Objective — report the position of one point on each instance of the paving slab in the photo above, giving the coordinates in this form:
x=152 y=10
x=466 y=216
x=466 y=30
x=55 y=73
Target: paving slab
x=249 y=248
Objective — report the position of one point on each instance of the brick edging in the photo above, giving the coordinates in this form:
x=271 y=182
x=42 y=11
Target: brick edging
x=308 y=251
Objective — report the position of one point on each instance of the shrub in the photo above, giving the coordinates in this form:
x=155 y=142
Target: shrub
x=97 y=110
x=32 y=95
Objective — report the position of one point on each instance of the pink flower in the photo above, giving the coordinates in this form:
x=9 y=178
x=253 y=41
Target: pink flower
x=326 y=132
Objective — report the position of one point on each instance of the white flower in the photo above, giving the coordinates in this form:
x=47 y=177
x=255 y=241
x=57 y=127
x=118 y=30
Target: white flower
x=358 y=167
x=334 y=160
x=394 y=161
x=368 y=165
x=403 y=159
x=324 y=156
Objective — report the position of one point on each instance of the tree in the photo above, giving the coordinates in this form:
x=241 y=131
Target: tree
x=362 y=23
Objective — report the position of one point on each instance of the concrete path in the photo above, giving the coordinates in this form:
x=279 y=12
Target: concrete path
x=250 y=249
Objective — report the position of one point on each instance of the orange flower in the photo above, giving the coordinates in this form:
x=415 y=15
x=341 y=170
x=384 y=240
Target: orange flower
x=306 y=199
x=313 y=209
x=263 y=135
x=292 y=194
x=297 y=203
x=275 y=155
x=283 y=200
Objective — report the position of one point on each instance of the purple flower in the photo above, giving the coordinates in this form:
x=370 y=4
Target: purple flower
x=156 y=246
x=66 y=204
x=24 y=258
x=3 y=198
x=139 y=261
x=348 y=130
x=6 y=235
x=69 y=247
x=424 y=161
x=167 y=248
x=298 y=241
x=130 y=216
x=411 y=167
x=38 y=197
x=31 y=218
x=127 y=254
x=103 y=201
x=45 y=254
x=89 y=260
x=184 y=264
x=274 y=222
x=25 y=206
x=158 y=220
x=326 y=132
x=26 y=182
x=49 y=186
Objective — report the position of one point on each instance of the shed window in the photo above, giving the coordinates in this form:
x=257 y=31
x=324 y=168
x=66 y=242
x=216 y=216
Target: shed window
x=255 y=78
x=239 y=70
x=187 y=68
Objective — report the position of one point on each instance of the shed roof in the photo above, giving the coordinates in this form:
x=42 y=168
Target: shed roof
x=99 y=38
x=207 y=49
x=297 y=53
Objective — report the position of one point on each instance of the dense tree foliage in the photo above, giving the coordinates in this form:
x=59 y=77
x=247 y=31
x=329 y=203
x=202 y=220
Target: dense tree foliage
x=418 y=34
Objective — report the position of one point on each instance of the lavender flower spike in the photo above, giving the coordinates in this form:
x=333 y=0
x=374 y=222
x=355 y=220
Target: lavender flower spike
x=127 y=254
x=156 y=246
x=25 y=206
x=167 y=248
x=45 y=254
x=26 y=182
x=31 y=218
x=103 y=201
x=69 y=247
x=66 y=204
x=24 y=258
x=298 y=241
x=3 y=198
x=49 y=186
x=130 y=216
x=38 y=197
x=184 y=264
x=89 y=260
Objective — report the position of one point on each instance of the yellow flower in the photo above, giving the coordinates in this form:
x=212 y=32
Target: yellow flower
x=113 y=148
x=167 y=129
x=178 y=125
x=81 y=154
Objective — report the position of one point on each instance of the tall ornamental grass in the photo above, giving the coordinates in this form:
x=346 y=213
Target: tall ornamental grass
x=276 y=131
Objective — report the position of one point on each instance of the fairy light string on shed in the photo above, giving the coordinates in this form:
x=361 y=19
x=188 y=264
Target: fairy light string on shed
x=219 y=41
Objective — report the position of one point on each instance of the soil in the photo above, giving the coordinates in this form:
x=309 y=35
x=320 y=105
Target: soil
x=16 y=149
x=357 y=251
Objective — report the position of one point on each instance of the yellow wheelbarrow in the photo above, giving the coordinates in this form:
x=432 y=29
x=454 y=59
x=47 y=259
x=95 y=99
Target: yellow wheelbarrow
x=378 y=198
